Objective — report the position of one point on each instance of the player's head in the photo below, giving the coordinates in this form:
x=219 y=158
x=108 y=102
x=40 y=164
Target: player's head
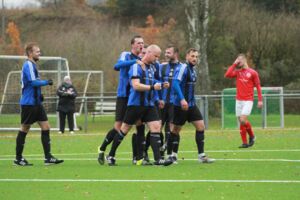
x=137 y=44
x=152 y=54
x=242 y=60
x=171 y=53
x=192 y=56
x=33 y=51
x=67 y=79
x=143 y=52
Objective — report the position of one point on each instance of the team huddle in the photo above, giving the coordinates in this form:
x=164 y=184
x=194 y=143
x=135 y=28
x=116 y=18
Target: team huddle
x=159 y=95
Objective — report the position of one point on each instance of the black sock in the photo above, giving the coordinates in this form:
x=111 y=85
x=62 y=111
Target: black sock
x=200 y=141
x=161 y=135
x=20 y=141
x=134 y=145
x=116 y=142
x=140 y=144
x=167 y=132
x=170 y=144
x=147 y=145
x=108 y=139
x=45 y=137
x=176 y=140
x=155 y=144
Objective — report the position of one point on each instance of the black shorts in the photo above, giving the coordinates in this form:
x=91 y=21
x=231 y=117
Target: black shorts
x=167 y=113
x=32 y=114
x=121 y=107
x=191 y=115
x=144 y=113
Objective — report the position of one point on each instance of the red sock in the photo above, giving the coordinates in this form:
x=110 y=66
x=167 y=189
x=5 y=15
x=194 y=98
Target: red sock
x=249 y=129
x=243 y=133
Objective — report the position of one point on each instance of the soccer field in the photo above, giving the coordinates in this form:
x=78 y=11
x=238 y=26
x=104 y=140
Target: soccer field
x=269 y=170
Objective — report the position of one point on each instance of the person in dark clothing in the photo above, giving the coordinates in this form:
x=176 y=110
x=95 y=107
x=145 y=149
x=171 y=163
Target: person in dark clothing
x=66 y=104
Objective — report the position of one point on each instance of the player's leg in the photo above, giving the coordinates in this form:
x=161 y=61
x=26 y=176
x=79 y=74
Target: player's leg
x=45 y=137
x=239 y=105
x=154 y=124
x=246 y=111
x=139 y=145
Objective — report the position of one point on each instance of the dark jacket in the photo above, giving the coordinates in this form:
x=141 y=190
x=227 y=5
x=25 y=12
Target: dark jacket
x=66 y=101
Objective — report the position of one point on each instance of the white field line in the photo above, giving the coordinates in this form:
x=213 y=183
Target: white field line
x=208 y=151
x=150 y=181
x=183 y=159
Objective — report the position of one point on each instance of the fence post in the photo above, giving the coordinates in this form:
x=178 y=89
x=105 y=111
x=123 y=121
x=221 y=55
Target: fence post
x=264 y=112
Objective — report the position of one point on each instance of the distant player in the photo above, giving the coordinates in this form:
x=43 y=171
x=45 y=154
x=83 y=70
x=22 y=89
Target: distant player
x=32 y=109
x=246 y=79
x=185 y=108
x=123 y=64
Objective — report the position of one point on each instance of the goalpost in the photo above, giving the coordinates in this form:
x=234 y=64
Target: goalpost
x=87 y=83
x=271 y=115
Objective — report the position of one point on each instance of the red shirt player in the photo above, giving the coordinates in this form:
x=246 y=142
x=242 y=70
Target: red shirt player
x=246 y=79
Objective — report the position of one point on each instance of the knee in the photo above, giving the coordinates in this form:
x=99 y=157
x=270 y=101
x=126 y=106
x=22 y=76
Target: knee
x=25 y=128
x=176 y=129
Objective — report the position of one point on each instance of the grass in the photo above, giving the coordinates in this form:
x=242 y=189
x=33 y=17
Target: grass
x=275 y=157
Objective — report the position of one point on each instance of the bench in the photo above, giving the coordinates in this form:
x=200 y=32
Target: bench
x=104 y=107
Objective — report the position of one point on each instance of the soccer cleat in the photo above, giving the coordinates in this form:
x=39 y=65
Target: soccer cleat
x=162 y=162
x=22 y=162
x=52 y=161
x=59 y=132
x=101 y=159
x=205 y=159
x=173 y=158
x=111 y=161
x=244 y=146
x=143 y=162
x=251 y=141
x=71 y=132
x=162 y=151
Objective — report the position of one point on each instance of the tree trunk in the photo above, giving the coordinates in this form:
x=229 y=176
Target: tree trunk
x=197 y=17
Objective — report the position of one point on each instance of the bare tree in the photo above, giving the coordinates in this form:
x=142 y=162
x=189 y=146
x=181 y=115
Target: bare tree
x=197 y=17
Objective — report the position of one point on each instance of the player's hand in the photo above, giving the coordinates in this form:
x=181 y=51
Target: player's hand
x=50 y=82
x=161 y=104
x=237 y=62
x=166 y=85
x=157 y=86
x=140 y=63
x=259 y=104
x=184 y=104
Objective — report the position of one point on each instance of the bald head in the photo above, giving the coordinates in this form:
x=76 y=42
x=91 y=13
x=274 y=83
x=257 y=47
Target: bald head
x=152 y=54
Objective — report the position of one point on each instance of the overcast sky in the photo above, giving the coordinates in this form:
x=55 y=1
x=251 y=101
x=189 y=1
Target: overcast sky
x=19 y=3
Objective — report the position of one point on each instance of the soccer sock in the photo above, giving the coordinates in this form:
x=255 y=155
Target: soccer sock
x=147 y=141
x=140 y=145
x=249 y=129
x=199 y=137
x=134 y=145
x=243 y=134
x=20 y=142
x=167 y=132
x=116 y=142
x=161 y=135
x=155 y=144
x=45 y=137
x=108 y=139
x=176 y=140
x=170 y=144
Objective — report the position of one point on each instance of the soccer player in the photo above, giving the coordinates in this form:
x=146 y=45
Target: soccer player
x=141 y=106
x=32 y=109
x=185 y=108
x=246 y=79
x=123 y=64
x=167 y=73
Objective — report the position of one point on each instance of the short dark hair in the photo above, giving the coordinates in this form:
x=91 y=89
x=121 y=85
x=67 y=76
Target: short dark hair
x=191 y=50
x=135 y=37
x=176 y=50
x=29 y=47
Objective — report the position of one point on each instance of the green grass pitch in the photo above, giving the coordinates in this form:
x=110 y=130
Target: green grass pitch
x=268 y=170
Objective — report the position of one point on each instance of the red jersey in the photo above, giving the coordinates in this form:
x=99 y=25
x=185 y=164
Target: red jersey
x=246 y=80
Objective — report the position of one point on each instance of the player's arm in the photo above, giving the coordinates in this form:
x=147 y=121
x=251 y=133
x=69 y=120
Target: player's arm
x=123 y=63
x=178 y=77
x=60 y=92
x=231 y=72
x=258 y=88
x=33 y=80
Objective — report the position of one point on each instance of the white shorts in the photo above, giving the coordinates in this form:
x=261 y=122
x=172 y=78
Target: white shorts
x=243 y=107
